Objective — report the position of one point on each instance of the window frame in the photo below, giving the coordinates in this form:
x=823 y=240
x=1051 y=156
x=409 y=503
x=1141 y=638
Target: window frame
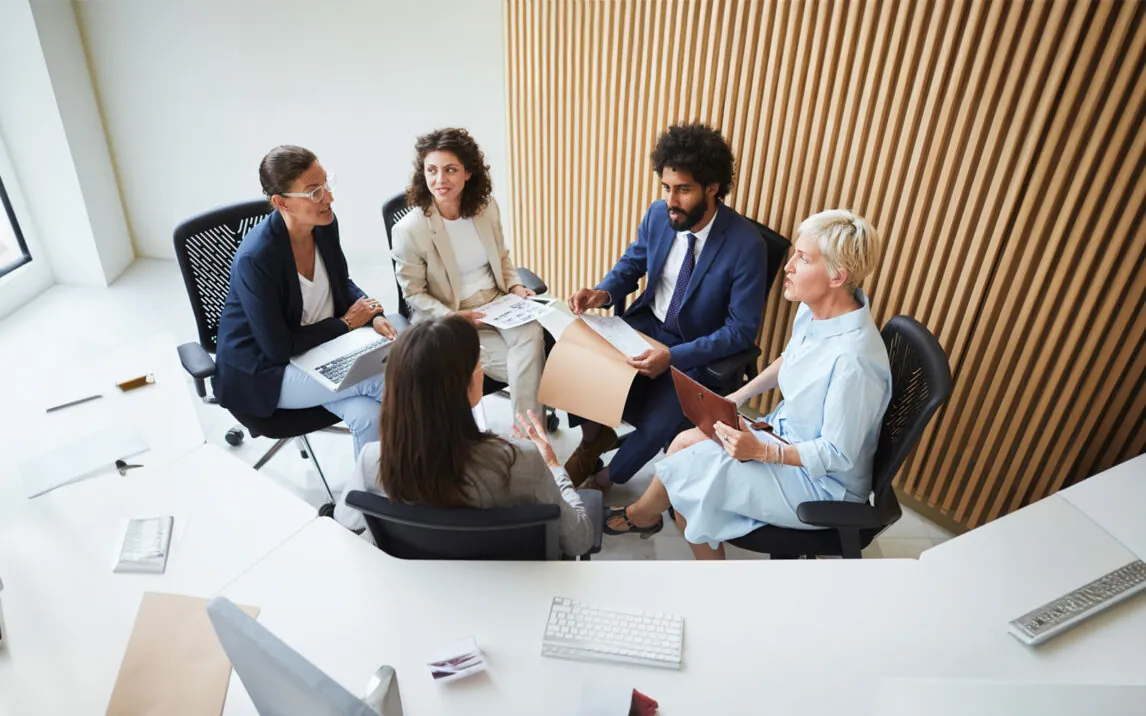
x=26 y=255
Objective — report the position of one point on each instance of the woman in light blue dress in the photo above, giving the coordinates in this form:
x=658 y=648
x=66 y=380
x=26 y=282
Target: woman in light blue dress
x=835 y=378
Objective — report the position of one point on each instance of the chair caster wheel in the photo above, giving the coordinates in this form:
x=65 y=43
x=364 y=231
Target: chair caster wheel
x=234 y=437
x=326 y=510
x=552 y=422
x=304 y=454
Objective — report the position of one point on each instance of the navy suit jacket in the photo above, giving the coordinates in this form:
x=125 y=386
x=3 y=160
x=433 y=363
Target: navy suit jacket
x=260 y=328
x=723 y=304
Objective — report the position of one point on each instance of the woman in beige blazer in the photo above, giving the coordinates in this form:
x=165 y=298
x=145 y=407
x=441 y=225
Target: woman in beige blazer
x=450 y=257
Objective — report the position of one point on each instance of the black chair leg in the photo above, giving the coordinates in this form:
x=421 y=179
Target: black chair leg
x=271 y=453
x=318 y=467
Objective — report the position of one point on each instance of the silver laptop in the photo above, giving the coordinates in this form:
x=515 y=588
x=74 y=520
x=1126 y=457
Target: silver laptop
x=346 y=360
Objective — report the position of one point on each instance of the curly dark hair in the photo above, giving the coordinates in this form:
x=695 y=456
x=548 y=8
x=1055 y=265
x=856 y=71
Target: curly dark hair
x=699 y=150
x=476 y=193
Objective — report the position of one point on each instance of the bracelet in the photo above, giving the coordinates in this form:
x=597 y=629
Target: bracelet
x=346 y=320
x=780 y=454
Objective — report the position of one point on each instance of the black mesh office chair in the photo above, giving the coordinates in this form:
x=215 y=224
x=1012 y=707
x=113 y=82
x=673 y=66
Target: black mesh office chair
x=501 y=533
x=205 y=246
x=920 y=382
x=392 y=212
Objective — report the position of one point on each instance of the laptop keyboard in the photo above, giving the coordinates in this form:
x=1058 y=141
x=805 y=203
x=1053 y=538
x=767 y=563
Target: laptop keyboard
x=336 y=370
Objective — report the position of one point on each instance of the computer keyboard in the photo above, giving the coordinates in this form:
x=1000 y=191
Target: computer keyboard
x=580 y=631
x=1055 y=617
x=336 y=370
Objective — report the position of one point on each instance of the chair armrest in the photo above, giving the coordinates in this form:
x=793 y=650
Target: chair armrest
x=727 y=371
x=531 y=280
x=593 y=502
x=841 y=515
x=197 y=361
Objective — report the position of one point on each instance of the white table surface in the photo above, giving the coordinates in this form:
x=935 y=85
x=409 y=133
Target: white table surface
x=163 y=413
x=1116 y=499
x=808 y=637
x=1004 y=569
x=69 y=617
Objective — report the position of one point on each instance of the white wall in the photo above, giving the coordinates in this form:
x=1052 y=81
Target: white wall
x=195 y=93
x=25 y=283
x=40 y=67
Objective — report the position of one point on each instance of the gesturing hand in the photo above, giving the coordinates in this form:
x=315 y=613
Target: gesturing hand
x=587 y=298
x=533 y=429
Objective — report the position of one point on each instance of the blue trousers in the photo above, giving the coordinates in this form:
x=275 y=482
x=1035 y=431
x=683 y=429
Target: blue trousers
x=360 y=405
x=652 y=407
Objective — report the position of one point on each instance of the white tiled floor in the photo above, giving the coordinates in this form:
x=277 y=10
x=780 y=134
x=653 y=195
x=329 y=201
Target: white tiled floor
x=67 y=322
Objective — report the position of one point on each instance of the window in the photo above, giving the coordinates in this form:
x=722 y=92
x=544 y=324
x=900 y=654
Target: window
x=13 y=250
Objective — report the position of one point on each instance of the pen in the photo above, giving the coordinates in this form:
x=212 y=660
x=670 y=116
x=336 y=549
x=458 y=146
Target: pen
x=74 y=402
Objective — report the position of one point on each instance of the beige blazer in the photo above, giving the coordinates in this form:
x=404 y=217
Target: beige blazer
x=427 y=268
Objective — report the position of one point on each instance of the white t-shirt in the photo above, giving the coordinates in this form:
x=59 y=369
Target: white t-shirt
x=472 y=259
x=663 y=297
x=317 y=301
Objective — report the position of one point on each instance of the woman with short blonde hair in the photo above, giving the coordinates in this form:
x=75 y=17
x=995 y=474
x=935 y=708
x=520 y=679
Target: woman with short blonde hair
x=836 y=382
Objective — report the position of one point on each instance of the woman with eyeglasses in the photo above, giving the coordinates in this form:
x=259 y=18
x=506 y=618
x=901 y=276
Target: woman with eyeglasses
x=291 y=291
x=432 y=452
x=450 y=257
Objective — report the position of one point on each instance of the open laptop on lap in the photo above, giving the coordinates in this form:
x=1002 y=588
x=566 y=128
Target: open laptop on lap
x=346 y=360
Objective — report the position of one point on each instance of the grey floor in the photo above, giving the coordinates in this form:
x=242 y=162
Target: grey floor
x=149 y=298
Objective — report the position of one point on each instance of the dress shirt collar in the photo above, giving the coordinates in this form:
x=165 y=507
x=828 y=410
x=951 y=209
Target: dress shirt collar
x=702 y=235
x=850 y=321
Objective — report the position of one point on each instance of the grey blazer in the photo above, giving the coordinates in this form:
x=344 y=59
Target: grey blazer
x=531 y=482
x=427 y=267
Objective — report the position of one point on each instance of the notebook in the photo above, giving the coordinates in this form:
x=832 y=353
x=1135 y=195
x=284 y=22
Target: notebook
x=144 y=545
x=702 y=406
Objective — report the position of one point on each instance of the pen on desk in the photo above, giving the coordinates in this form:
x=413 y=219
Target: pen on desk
x=74 y=402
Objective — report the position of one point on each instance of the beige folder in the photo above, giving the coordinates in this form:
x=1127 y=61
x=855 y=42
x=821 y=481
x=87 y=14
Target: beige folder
x=174 y=665
x=586 y=376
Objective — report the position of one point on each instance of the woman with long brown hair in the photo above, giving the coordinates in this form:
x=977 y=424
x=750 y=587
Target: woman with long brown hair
x=450 y=257
x=431 y=451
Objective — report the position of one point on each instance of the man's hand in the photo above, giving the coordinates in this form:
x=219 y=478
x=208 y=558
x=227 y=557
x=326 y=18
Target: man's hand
x=522 y=291
x=652 y=362
x=587 y=298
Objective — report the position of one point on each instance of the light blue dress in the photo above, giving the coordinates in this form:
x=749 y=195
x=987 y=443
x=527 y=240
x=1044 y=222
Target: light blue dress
x=836 y=383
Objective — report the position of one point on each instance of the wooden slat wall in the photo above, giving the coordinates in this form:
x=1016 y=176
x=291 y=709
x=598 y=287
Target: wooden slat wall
x=996 y=146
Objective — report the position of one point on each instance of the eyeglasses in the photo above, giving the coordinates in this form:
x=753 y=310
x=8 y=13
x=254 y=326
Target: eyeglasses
x=316 y=195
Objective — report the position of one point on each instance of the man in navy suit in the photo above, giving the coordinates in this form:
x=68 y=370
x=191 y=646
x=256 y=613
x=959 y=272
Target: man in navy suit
x=707 y=273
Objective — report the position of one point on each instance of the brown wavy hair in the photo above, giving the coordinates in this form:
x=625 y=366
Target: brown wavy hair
x=428 y=433
x=475 y=194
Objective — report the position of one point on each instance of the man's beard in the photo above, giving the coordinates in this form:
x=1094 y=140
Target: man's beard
x=690 y=218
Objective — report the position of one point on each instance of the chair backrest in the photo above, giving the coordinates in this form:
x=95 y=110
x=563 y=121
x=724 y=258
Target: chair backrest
x=205 y=246
x=504 y=533
x=777 y=247
x=920 y=382
x=392 y=212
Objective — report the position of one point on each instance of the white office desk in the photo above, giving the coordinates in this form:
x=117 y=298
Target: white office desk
x=162 y=413
x=1116 y=499
x=807 y=637
x=69 y=617
x=1000 y=571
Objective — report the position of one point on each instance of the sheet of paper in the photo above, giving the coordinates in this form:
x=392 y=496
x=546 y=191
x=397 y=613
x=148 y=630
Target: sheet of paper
x=174 y=664
x=456 y=660
x=80 y=459
x=619 y=334
x=510 y=311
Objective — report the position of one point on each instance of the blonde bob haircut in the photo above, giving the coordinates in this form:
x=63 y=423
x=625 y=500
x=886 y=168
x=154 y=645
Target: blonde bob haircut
x=847 y=241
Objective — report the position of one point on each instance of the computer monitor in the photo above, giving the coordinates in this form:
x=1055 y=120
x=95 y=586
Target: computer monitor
x=281 y=682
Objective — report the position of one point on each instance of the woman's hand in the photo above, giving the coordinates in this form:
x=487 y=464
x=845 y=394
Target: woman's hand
x=741 y=444
x=522 y=291
x=361 y=312
x=533 y=429
x=473 y=317
x=383 y=327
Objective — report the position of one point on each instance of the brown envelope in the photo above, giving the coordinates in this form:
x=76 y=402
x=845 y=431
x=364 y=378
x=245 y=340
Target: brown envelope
x=585 y=375
x=174 y=665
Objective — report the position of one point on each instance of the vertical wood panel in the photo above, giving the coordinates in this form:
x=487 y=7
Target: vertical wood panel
x=996 y=147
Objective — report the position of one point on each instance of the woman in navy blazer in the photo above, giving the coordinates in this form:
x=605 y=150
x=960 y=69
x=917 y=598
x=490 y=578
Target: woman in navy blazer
x=290 y=291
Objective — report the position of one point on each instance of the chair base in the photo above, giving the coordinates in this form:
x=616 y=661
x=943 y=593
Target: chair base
x=307 y=452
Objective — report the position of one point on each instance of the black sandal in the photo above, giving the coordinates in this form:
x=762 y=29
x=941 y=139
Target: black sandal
x=623 y=512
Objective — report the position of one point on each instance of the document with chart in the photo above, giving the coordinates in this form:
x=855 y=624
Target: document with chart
x=510 y=311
